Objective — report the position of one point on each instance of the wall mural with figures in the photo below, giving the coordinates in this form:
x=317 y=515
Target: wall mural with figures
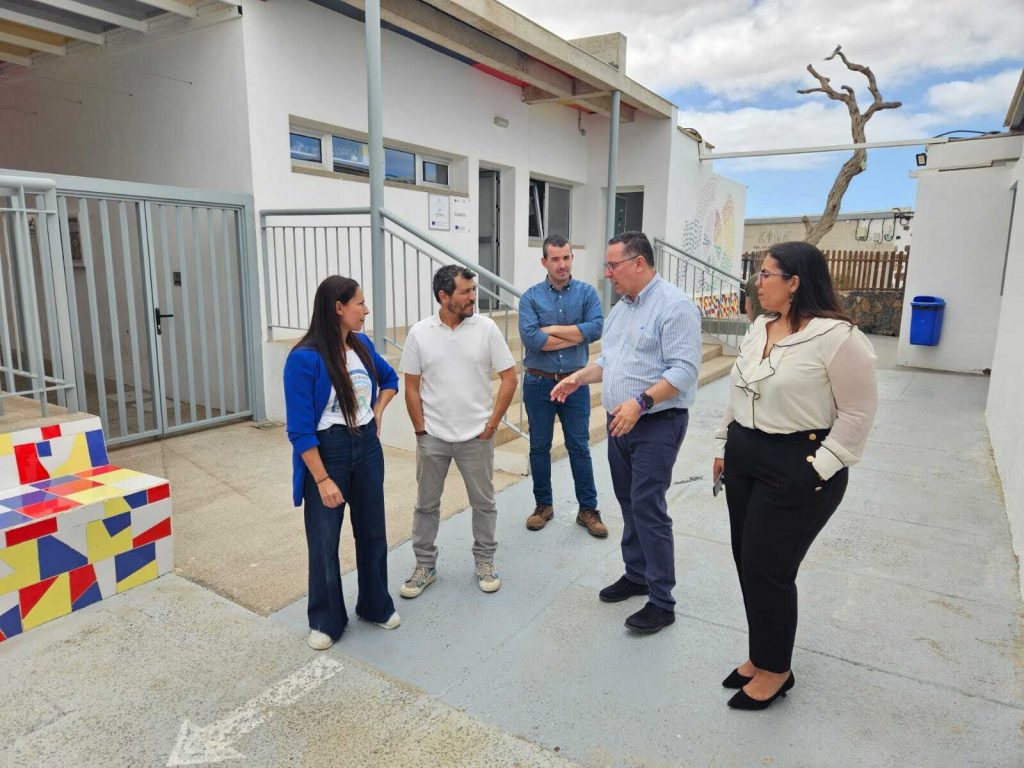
x=714 y=234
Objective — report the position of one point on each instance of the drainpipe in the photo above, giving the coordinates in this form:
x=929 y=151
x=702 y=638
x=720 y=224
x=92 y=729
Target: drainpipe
x=613 y=162
x=375 y=144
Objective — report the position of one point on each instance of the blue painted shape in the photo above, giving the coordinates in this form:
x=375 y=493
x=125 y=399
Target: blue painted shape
x=17 y=502
x=54 y=481
x=10 y=622
x=129 y=562
x=11 y=519
x=44 y=449
x=97 y=448
x=136 y=500
x=117 y=523
x=56 y=557
x=90 y=596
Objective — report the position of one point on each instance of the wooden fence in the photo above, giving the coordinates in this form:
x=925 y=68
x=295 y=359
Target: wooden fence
x=854 y=270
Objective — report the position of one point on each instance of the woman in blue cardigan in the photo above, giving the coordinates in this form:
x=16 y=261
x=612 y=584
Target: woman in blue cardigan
x=336 y=387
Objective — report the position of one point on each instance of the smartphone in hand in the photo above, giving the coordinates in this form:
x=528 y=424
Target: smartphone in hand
x=719 y=484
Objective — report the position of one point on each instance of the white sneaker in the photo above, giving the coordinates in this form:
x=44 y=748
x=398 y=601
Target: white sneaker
x=393 y=623
x=421 y=579
x=487 y=577
x=319 y=641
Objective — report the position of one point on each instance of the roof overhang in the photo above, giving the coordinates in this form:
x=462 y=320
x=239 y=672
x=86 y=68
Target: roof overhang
x=506 y=44
x=1015 y=117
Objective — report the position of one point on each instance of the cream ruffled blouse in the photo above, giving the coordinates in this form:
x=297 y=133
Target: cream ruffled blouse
x=822 y=377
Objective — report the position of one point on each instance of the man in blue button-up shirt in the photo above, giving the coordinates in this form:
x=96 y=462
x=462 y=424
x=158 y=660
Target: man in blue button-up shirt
x=558 y=318
x=649 y=363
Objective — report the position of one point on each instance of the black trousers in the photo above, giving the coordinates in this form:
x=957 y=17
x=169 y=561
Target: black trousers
x=777 y=506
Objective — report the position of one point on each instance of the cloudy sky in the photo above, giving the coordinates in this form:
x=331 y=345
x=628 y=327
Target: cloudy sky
x=733 y=67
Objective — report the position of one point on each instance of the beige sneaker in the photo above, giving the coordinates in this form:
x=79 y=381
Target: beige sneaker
x=393 y=623
x=421 y=579
x=540 y=517
x=319 y=641
x=487 y=577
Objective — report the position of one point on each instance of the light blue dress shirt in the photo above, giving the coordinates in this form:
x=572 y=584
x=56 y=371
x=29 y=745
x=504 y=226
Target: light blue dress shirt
x=577 y=304
x=655 y=337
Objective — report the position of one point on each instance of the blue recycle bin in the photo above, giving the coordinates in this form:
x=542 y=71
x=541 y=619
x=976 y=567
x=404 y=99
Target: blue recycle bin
x=926 y=320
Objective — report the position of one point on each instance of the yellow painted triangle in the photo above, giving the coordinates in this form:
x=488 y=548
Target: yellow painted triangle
x=22 y=566
x=102 y=545
x=56 y=602
x=146 y=573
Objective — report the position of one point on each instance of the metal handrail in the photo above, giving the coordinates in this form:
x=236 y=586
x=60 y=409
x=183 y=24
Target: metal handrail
x=680 y=252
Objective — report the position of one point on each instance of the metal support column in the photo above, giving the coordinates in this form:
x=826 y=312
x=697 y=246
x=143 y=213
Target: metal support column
x=613 y=173
x=375 y=136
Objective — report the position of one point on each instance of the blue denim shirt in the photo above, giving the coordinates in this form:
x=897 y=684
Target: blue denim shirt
x=542 y=305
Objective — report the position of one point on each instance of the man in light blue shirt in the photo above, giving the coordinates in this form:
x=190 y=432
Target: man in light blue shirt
x=558 y=318
x=650 y=364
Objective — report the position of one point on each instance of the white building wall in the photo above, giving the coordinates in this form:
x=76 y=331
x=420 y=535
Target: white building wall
x=136 y=123
x=961 y=226
x=1005 y=414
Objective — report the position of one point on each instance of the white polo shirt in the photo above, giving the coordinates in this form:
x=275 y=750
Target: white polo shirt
x=456 y=367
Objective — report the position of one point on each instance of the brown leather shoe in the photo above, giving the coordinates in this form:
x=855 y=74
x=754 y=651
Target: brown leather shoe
x=591 y=520
x=540 y=517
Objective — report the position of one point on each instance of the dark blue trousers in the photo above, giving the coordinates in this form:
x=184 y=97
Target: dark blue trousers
x=641 y=464
x=356 y=463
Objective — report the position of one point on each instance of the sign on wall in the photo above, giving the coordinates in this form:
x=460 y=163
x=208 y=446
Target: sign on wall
x=439 y=212
x=460 y=214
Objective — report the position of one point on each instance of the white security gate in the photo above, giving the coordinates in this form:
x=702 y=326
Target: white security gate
x=162 y=295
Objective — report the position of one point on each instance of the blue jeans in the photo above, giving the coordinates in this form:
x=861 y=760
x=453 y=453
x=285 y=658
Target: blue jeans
x=641 y=464
x=574 y=414
x=356 y=463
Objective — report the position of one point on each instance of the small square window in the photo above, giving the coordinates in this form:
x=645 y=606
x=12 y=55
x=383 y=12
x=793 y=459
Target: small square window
x=350 y=156
x=435 y=173
x=305 y=148
x=399 y=166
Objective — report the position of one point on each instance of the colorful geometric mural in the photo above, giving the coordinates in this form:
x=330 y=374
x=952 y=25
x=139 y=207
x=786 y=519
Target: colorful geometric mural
x=74 y=529
x=711 y=234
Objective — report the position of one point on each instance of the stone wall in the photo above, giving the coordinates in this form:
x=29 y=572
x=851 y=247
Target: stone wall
x=877 y=312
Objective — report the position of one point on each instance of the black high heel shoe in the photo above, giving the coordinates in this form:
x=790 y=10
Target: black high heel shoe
x=742 y=701
x=735 y=680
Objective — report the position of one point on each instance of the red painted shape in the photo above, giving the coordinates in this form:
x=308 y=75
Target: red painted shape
x=159 y=493
x=500 y=75
x=96 y=471
x=42 y=509
x=159 y=531
x=29 y=468
x=66 y=489
x=51 y=432
x=32 y=594
x=81 y=579
x=32 y=531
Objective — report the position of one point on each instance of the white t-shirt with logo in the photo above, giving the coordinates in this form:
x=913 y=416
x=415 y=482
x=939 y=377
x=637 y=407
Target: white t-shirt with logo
x=363 y=389
x=456 y=367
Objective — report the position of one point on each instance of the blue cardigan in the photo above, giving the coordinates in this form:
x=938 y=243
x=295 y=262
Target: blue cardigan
x=307 y=385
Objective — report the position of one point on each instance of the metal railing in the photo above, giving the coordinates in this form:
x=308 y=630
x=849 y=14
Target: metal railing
x=301 y=247
x=35 y=340
x=715 y=292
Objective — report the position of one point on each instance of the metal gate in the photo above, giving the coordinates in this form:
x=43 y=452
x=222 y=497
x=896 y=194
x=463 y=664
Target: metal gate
x=161 y=296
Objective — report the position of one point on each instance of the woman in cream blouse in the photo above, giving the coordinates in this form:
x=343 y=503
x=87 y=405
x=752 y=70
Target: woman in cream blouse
x=802 y=403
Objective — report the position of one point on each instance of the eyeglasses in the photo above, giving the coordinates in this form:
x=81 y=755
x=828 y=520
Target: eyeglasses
x=764 y=274
x=609 y=266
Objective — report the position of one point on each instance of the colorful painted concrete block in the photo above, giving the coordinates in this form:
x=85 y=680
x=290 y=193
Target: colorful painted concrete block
x=74 y=529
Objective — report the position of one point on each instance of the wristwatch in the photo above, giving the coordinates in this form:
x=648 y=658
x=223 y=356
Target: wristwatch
x=646 y=402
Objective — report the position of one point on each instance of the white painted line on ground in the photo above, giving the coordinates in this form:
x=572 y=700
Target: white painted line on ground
x=212 y=743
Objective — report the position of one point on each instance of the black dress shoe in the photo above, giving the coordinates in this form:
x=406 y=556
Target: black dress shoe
x=623 y=589
x=735 y=680
x=742 y=701
x=650 y=619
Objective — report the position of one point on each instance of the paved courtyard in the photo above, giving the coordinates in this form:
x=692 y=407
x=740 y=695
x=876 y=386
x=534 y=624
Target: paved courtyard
x=909 y=653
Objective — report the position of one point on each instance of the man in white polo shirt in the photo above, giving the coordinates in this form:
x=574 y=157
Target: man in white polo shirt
x=447 y=362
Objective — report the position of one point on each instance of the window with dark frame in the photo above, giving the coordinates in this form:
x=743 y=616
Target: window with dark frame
x=550 y=210
x=305 y=148
x=435 y=173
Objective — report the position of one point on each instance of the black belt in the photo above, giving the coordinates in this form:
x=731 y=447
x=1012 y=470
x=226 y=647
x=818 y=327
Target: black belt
x=668 y=413
x=549 y=374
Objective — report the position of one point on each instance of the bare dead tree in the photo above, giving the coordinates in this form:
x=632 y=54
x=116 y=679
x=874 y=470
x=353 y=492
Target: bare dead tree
x=858 y=161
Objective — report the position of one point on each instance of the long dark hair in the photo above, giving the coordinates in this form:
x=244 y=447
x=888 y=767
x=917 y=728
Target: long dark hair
x=324 y=335
x=816 y=296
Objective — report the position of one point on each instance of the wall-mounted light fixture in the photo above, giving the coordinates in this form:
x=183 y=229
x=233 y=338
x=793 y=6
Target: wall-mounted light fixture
x=922 y=159
x=501 y=122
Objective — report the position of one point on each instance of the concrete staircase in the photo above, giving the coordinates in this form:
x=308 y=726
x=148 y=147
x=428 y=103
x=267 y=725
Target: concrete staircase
x=512 y=452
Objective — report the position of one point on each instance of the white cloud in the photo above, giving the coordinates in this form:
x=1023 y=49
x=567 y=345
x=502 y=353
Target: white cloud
x=739 y=48
x=974 y=98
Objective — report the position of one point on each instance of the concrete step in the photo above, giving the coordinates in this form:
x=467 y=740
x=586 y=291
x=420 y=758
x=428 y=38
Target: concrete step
x=512 y=451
